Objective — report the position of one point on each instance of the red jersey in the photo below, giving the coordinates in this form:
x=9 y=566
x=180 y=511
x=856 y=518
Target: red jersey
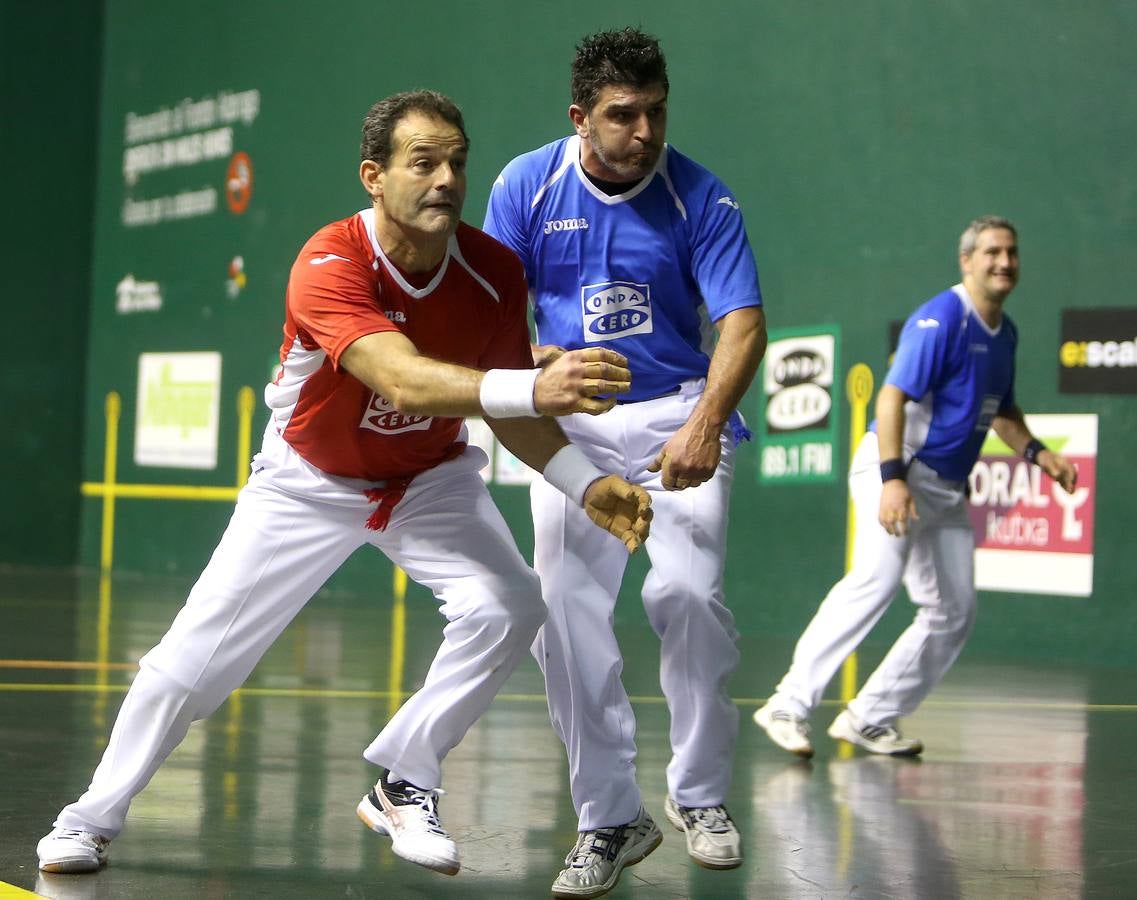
x=342 y=287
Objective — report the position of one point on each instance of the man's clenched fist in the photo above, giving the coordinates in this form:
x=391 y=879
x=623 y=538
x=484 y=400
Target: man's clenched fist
x=621 y=508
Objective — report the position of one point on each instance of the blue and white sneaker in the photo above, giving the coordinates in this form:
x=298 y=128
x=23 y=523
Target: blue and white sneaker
x=595 y=863
x=713 y=840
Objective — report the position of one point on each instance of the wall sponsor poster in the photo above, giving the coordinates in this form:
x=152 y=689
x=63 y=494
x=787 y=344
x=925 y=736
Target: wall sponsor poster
x=1032 y=536
x=1098 y=353
x=178 y=410
x=799 y=414
x=197 y=138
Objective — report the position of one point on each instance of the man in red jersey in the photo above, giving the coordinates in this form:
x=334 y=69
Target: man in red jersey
x=399 y=321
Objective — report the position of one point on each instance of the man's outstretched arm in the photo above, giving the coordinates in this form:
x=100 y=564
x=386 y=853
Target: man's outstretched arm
x=389 y=364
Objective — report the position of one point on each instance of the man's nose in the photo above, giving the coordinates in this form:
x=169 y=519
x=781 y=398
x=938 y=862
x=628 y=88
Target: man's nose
x=644 y=130
x=446 y=176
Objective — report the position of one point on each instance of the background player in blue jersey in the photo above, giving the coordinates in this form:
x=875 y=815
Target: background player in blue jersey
x=629 y=244
x=952 y=380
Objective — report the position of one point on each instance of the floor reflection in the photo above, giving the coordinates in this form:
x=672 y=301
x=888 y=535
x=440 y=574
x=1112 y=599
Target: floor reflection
x=1022 y=791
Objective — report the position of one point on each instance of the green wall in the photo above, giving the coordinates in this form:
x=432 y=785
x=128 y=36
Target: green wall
x=49 y=91
x=859 y=139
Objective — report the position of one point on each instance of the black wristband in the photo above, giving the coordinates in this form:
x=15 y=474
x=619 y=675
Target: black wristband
x=891 y=469
x=1035 y=447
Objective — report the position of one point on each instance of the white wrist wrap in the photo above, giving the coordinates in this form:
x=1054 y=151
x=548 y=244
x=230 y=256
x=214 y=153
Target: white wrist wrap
x=508 y=393
x=570 y=472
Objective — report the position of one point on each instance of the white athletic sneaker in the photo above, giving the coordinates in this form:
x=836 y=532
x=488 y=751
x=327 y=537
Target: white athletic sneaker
x=70 y=850
x=595 y=863
x=713 y=840
x=788 y=731
x=882 y=739
x=409 y=816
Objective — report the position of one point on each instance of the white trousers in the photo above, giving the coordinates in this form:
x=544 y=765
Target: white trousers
x=277 y=551
x=581 y=568
x=935 y=560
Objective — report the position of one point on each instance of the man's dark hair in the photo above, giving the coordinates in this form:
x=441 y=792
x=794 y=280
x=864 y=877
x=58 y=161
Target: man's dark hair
x=627 y=56
x=380 y=122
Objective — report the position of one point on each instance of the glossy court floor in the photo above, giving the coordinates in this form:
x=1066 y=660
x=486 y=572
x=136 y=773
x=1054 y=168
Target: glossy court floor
x=1027 y=787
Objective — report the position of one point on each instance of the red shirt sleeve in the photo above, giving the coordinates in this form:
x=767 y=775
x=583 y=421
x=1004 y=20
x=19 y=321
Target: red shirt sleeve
x=332 y=296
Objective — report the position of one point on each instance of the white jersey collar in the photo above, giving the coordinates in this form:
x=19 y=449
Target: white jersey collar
x=572 y=153
x=368 y=217
x=969 y=305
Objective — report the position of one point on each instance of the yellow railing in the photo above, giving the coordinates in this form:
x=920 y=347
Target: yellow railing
x=858 y=388
x=109 y=489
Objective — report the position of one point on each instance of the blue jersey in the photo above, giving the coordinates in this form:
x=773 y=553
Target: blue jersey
x=639 y=272
x=960 y=373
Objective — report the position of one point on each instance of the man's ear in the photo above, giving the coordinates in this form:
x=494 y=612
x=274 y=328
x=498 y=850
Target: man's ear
x=371 y=174
x=579 y=119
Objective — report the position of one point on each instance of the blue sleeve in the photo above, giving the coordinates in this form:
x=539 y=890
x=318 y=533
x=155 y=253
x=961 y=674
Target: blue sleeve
x=721 y=259
x=505 y=217
x=922 y=351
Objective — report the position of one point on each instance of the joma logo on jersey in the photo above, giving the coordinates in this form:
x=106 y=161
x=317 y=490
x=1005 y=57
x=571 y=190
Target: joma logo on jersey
x=566 y=225
x=395 y=315
x=380 y=416
x=615 y=309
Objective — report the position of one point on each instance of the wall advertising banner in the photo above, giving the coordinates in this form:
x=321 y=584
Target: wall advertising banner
x=179 y=397
x=1031 y=536
x=180 y=137
x=1098 y=354
x=799 y=410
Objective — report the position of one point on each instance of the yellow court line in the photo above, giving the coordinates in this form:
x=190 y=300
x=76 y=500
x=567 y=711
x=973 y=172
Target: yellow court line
x=353 y=694
x=64 y=664
x=11 y=892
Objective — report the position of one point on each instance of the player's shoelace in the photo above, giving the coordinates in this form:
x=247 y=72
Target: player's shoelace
x=603 y=842
x=781 y=715
x=403 y=793
x=713 y=819
x=83 y=837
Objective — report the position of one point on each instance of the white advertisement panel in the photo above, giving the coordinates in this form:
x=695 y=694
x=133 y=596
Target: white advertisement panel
x=178 y=410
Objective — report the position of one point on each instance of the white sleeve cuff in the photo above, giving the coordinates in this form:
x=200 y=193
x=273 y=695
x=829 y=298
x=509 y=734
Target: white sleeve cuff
x=571 y=472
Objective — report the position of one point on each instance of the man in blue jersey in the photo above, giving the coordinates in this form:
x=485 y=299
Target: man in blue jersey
x=630 y=245
x=951 y=380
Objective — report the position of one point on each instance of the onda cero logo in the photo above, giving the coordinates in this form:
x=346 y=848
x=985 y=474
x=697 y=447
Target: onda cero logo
x=382 y=417
x=615 y=309
x=798 y=401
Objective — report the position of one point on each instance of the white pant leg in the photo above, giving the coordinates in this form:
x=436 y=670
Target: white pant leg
x=941 y=584
x=856 y=602
x=580 y=567
x=276 y=552
x=448 y=535
x=684 y=599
